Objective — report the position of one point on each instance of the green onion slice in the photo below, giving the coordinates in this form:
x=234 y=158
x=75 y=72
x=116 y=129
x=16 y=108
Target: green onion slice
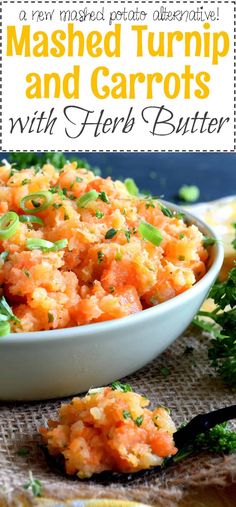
x=5 y=309
x=4 y=255
x=150 y=233
x=40 y=200
x=44 y=245
x=8 y=224
x=5 y=328
x=92 y=195
x=131 y=186
x=60 y=244
x=3 y=318
x=25 y=219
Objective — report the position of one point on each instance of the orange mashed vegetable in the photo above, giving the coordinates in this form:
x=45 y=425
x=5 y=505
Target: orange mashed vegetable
x=110 y=429
x=92 y=279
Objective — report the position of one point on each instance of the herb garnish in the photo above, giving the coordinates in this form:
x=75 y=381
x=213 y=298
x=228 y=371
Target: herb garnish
x=99 y=213
x=103 y=197
x=118 y=386
x=221 y=324
x=33 y=484
x=111 y=233
x=101 y=255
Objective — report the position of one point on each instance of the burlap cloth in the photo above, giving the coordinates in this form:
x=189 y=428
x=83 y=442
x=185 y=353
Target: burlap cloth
x=191 y=387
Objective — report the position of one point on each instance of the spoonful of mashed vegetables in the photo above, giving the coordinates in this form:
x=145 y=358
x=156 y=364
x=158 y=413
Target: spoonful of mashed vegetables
x=110 y=429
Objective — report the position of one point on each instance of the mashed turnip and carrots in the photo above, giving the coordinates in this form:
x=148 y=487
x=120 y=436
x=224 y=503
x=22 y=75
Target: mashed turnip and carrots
x=77 y=249
x=110 y=428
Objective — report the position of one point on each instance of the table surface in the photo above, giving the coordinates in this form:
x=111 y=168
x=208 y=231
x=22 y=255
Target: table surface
x=164 y=173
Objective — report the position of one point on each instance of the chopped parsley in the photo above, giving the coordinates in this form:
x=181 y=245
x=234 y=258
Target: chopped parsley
x=118 y=386
x=99 y=213
x=101 y=255
x=139 y=420
x=103 y=197
x=50 y=317
x=127 y=414
x=208 y=241
x=25 y=181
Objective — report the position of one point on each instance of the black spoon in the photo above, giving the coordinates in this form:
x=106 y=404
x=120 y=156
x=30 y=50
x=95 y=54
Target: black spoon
x=182 y=438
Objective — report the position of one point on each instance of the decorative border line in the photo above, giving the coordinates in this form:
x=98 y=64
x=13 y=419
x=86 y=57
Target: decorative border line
x=1 y=101
x=233 y=2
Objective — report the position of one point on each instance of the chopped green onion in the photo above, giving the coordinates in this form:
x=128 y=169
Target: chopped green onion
x=5 y=328
x=3 y=318
x=131 y=186
x=92 y=195
x=60 y=244
x=44 y=245
x=30 y=219
x=4 y=255
x=111 y=233
x=40 y=200
x=189 y=193
x=39 y=244
x=150 y=233
x=103 y=197
x=5 y=309
x=8 y=225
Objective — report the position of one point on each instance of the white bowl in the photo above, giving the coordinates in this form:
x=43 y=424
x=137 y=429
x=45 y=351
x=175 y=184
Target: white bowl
x=52 y=364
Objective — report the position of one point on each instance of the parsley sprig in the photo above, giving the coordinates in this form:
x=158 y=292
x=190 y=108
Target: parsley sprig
x=33 y=484
x=221 y=324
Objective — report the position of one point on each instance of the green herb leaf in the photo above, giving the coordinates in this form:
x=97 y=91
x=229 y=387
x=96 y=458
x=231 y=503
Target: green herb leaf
x=208 y=241
x=167 y=212
x=101 y=256
x=99 y=213
x=139 y=420
x=4 y=255
x=118 y=386
x=33 y=484
x=103 y=197
x=127 y=414
x=111 y=233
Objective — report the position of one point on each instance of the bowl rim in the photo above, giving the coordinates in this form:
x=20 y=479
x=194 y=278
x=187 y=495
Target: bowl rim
x=118 y=324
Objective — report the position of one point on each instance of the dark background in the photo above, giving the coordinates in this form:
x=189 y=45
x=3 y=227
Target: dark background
x=164 y=173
